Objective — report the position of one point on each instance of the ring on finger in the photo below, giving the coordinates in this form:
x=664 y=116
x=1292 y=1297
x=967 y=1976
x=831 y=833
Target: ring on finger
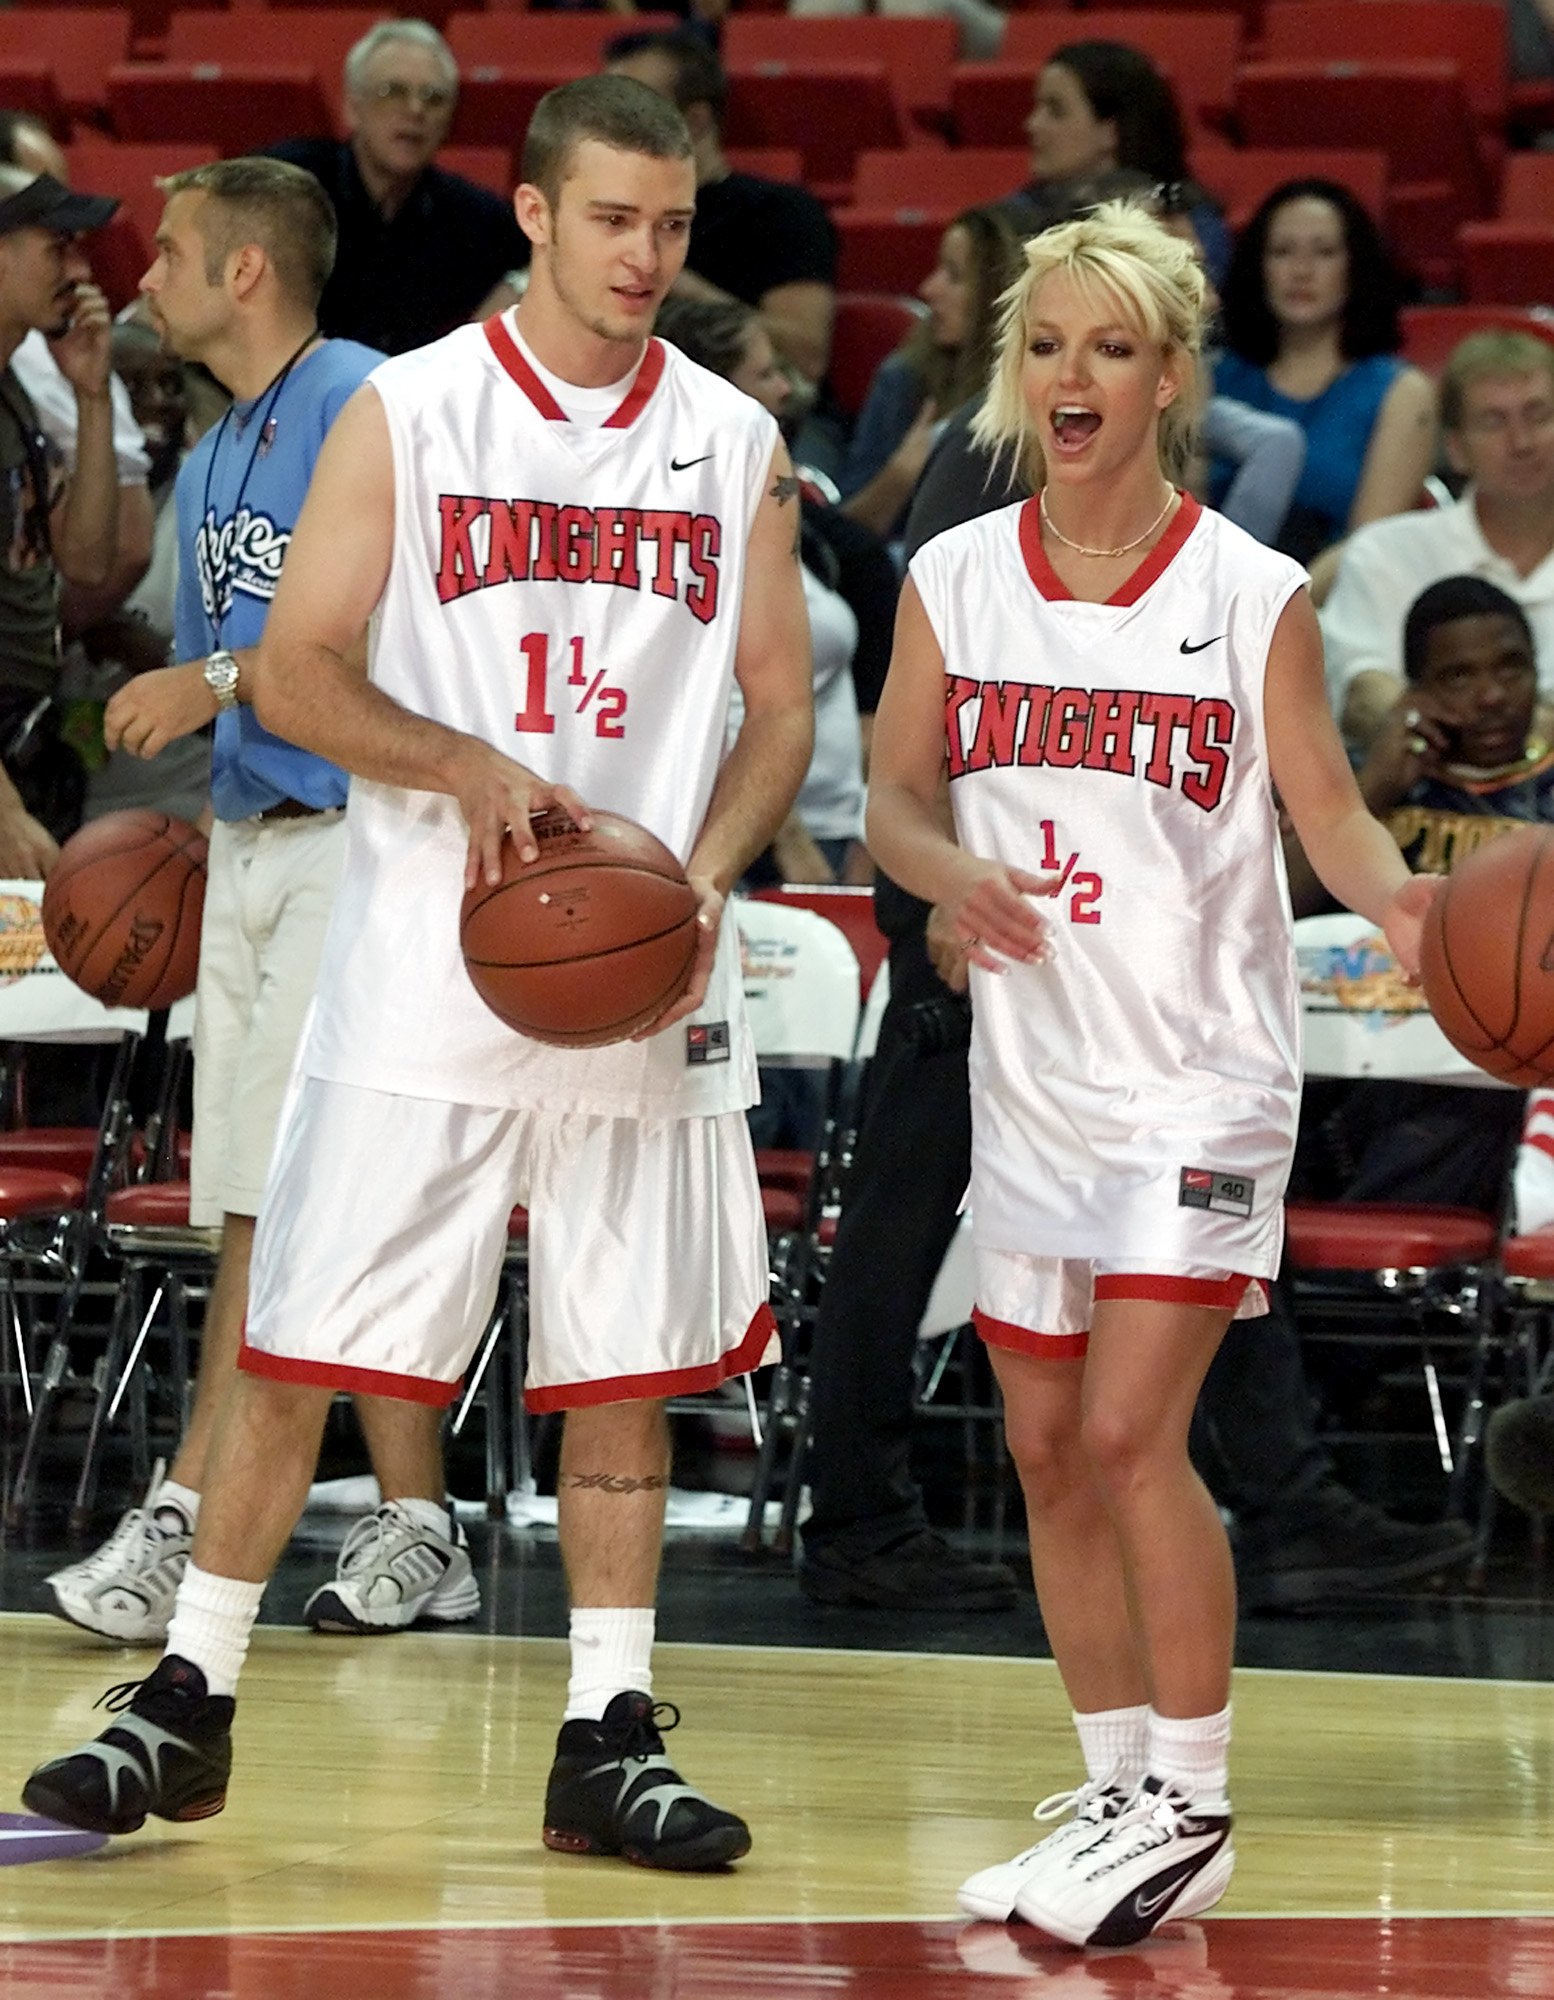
x=1418 y=744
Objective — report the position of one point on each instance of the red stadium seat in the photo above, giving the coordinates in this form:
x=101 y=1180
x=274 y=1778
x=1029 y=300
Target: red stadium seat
x=236 y=106
x=1431 y=332
x=130 y=171
x=512 y=36
x=1197 y=51
x=32 y=87
x=1527 y=188
x=852 y=911
x=80 y=45
x=919 y=52
x=490 y=167
x=1465 y=32
x=767 y=163
x=319 y=37
x=867 y=329
x=830 y=111
x=1437 y=173
x=888 y=249
x=1240 y=177
x=495 y=105
x=1509 y=263
x=928 y=177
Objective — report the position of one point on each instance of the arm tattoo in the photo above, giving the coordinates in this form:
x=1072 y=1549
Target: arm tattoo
x=785 y=488
x=616 y=1482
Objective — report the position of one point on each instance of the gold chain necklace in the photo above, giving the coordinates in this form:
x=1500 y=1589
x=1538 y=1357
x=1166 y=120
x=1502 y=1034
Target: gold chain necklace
x=1127 y=547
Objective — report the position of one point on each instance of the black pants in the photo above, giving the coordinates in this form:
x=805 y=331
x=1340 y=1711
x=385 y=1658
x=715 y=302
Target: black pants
x=1254 y=1435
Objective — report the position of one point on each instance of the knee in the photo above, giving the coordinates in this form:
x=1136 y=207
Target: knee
x=1123 y=1448
x=1047 y=1456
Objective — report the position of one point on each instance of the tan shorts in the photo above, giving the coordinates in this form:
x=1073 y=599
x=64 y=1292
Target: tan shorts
x=267 y=903
x=384 y=1226
x=1043 y=1306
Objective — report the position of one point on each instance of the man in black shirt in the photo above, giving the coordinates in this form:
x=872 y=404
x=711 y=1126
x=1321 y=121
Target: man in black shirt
x=421 y=250
x=761 y=241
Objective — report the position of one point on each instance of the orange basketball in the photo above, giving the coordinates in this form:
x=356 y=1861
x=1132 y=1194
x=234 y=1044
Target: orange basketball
x=122 y=908
x=1488 y=957
x=588 y=943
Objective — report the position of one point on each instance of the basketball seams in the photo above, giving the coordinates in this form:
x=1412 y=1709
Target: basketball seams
x=537 y=871
x=111 y=847
x=593 y=957
x=1487 y=947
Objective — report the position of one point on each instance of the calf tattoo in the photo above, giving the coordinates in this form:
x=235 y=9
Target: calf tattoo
x=616 y=1482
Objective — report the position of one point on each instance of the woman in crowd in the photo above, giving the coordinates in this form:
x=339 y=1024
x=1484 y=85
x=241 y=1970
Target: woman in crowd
x=941 y=364
x=1310 y=323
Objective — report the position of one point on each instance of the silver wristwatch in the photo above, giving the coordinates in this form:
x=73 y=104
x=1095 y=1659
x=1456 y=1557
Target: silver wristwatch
x=221 y=675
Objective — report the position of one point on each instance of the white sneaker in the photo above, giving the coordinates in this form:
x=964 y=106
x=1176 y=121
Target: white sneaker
x=993 y=1892
x=393 y=1571
x=1162 y=1856
x=125 y=1591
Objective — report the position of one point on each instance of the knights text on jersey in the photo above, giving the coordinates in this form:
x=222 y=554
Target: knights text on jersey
x=1136 y=1093
x=572 y=596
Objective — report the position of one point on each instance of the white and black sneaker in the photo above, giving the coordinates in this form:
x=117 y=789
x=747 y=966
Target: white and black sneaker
x=993 y=1892
x=125 y=1590
x=394 y=1571
x=1162 y=1856
x=613 y=1791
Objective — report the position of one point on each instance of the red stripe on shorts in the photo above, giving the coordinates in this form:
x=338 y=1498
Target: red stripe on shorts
x=334 y=1375
x=653 y=1388
x=1159 y=1286
x=1025 y=1340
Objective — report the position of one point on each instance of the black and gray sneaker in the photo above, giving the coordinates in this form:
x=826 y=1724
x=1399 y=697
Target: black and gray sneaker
x=613 y=1791
x=170 y=1753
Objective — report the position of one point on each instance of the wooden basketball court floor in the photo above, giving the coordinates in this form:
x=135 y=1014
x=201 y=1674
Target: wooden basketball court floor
x=381 y=1837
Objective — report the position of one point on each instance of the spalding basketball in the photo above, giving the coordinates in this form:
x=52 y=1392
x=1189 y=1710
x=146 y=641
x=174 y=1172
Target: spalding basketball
x=590 y=942
x=1487 y=962
x=122 y=908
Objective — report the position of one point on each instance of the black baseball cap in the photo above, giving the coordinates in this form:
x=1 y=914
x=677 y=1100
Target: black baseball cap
x=45 y=203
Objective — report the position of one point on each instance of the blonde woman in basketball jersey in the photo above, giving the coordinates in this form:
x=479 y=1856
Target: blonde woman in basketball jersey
x=1114 y=681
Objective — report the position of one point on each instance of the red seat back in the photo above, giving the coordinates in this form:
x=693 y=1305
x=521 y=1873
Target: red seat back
x=1527 y=187
x=513 y=36
x=888 y=249
x=867 y=329
x=1508 y=263
x=1431 y=332
x=1242 y=177
x=919 y=52
x=926 y=177
x=830 y=111
x=319 y=37
x=1465 y=32
x=80 y=45
x=1197 y=51
x=235 y=106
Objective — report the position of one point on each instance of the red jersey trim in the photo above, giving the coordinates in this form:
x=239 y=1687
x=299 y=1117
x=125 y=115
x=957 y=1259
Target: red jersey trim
x=334 y=1375
x=513 y=360
x=1149 y=571
x=672 y=1382
x=1025 y=1340
x=1167 y=1290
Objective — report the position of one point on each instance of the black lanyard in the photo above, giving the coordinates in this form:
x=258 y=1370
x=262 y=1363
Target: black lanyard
x=268 y=397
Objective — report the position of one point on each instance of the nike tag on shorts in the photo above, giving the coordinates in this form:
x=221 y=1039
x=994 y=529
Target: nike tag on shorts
x=707 y=1042
x=1229 y=1194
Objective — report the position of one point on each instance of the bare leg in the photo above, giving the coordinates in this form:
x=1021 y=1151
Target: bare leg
x=262 y=1458
x=404 y=1442
x=1076 y=1557
x=1146 y=1364
x=614 y=1478
x=225 y=1313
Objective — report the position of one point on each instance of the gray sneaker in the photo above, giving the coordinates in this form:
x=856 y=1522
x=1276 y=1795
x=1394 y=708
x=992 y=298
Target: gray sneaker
x=125 y=1591
x=392 y=1573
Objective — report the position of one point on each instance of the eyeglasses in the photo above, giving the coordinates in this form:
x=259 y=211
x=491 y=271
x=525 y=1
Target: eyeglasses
x=429 y=96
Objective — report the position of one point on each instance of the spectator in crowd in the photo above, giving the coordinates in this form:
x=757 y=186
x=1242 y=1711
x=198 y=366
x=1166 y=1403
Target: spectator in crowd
x=27 y=144
x=1311 y=332
x=52 y=527
x=761 y=241
x=1105 y=122
x=943 y=361
x=1497 y=423
x=1456 y=762
x=420 y=249
x=137 y=637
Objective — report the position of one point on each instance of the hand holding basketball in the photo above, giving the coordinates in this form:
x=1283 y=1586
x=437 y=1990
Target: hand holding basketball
x=1405 y=918
x=709 y=920
x=498 y=796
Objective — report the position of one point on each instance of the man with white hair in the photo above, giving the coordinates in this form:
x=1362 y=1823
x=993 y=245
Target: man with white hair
x=420 y=249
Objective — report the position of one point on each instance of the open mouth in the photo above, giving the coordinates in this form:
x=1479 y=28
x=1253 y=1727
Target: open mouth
x=1073 y=424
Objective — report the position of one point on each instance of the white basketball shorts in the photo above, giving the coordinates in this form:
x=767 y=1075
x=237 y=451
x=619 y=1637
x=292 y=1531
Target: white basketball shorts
x=1043 y=1306
x=384 y=1227
x=267 y=901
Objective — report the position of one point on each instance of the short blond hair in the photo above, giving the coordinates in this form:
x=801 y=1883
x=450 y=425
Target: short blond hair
x=1120 y=252
x=1489 y=356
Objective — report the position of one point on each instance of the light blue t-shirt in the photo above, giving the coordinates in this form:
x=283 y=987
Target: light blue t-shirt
x=239 y=494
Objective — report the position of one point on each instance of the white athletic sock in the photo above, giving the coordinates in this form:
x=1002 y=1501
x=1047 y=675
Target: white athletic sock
x=612 y=1652
x=428 y=1514
x=184 y=1498
x=213 y=1617
x=1192 y=1753
x=1115 y=1739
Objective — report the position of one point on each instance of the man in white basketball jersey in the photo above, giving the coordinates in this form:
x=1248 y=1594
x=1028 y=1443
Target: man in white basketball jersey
x=570 y=541
x=1114 y=680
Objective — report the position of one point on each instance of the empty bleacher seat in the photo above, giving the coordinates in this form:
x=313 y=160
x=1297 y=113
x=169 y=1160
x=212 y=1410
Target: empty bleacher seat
x=830 y=111
x=919 y=52
x=236 y=106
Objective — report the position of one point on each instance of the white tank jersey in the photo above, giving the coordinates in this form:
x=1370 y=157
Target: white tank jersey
x=571 y=595
x=1136 y=1094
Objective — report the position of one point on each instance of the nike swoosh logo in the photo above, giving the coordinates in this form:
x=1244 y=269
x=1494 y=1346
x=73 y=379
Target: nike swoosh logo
x=1203 y=644
x=685 y=464
x=1146 y=1906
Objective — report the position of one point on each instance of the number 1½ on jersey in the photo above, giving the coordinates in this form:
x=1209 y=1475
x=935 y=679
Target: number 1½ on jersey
x=607 y=705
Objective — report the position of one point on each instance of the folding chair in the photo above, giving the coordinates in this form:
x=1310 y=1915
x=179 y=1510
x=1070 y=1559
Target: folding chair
x=830 y=111
x=867 y=327
x=919 y=53
x=1508 y=263
x=236 y=106
x=802 y=993
x=79 y=44
x=1359 y=1267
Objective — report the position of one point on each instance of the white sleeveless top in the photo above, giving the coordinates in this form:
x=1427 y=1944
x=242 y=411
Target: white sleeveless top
x=571 y=595
x=1135 y=1096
